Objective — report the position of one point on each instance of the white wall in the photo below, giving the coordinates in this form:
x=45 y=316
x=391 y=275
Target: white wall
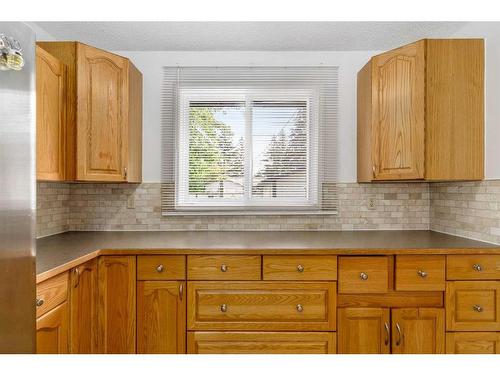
x=151 y=63
x=490 y=31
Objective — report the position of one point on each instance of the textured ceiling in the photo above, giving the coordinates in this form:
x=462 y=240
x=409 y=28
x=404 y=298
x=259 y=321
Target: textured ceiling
x=248 y=36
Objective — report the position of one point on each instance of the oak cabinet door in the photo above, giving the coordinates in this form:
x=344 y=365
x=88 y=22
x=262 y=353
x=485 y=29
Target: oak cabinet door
x=83 y=308
x=52 y=331
x=364 y=331
x=473 y=343
x=398 y=97
x=50 y=117
x=418 y=331
x=102 y=115
x=117 y=304
x=203 y=342
x=161 y=317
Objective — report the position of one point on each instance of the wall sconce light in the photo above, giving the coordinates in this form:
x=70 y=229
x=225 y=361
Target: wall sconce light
x=11 y=56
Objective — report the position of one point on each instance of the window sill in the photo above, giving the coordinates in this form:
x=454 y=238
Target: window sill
x=250 y=213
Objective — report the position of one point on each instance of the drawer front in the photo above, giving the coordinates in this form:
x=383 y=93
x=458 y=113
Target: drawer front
x=473 y=267
x=473 y=343
x=299 y=267
x=364 y=274
x=261 y=342
x=51 y=293
x=420 y=272
x=161 y=267
x=224 y=267
x=262 y=306
x=473 y=306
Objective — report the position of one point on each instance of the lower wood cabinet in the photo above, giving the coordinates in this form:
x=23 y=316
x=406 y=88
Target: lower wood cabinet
x=52 y=331
x=161 y=317
x=117 y=304
x=83 y=295
x=383 y=331
x=261 y=342
x=473 y=343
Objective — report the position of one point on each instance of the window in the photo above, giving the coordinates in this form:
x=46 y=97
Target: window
x=241 y=143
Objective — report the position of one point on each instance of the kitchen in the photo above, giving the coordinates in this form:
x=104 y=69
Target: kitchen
x=251 y=191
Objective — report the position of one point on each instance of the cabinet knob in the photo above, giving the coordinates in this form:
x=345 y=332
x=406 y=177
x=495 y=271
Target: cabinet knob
x=300 y=308
x=160 y=268
x=39 y=302
x=223 y=307
x=223 y=268
x=363 y=276
x=477 y=308
x=300 y=268
x=477 y=267
x=421 y=273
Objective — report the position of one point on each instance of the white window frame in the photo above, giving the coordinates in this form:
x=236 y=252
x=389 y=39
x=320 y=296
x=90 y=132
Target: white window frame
x=249 y=204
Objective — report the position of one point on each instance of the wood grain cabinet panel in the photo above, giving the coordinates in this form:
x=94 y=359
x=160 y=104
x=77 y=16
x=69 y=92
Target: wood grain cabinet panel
x=299 y=267
x=261 y=342
x=420 y=272
x=421 y=112
x=52 y=331
x=364 y=331
x=304 y=306
x=224 y=267
x=418 y=331
x=50 y=117
x=473 y=267
x=51 y=293
x=161 y=317
x=117 y=304
x=161 y=267
x=473 y=306
x=83 y=294
x=473 y=343
x=364 y=274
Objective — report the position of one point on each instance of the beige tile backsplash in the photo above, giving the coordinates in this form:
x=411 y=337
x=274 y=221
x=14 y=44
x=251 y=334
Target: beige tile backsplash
x=79 y=206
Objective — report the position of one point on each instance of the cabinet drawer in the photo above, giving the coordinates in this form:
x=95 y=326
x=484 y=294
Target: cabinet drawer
x=364 y=274
x=473 y=306
x=473 y=267
x=420 y=272
x=473 y=343
x=161 y=267
x=223 y=267
x=51 y=293
x=261 y=342
x=299 y=267
x=262 y=306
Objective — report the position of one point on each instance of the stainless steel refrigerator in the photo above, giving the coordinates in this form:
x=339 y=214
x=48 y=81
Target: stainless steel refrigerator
x=17 y=191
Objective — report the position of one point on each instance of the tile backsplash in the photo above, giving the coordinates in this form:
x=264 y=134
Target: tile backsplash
x=78 y=206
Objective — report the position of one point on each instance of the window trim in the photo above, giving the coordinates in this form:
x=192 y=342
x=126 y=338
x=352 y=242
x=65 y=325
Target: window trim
x=254 y=205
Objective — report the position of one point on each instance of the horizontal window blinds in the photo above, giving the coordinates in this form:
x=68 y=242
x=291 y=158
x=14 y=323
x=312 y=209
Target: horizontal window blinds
x=249 y=139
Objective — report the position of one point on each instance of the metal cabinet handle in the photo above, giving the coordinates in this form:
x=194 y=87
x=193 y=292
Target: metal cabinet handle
x=300 y=268
x=363 y=276
x=223 y=268
x=160 y=268
x=223 y=307
x=181 y=291
x=387 y=334
x=300 y=308
x=477 y=308
x=477 y=267
x=77 y=273
x=39 y=302
x=398 y=328
x=125 y=173
x=421 y=273
x=374 y=168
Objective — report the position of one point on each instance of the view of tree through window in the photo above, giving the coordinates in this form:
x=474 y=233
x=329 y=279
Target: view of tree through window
x=276 y=166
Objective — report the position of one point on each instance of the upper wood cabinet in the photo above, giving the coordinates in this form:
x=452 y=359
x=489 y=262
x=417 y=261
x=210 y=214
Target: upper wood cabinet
x=103 y=114
x=50 y=117
x=421 y=112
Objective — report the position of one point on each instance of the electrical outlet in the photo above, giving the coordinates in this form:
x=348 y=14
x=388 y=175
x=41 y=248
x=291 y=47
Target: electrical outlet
x=130 y=202
x=372 y=205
